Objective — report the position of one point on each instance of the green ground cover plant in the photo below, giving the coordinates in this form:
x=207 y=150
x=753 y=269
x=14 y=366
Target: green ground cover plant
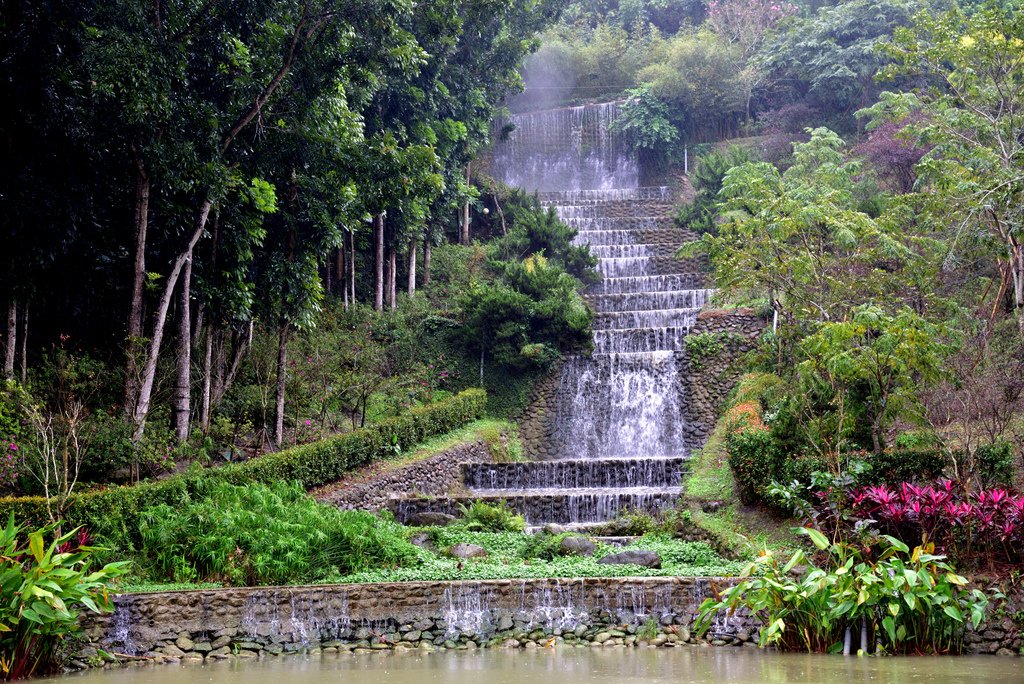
x=264 y=534
x=514 y=555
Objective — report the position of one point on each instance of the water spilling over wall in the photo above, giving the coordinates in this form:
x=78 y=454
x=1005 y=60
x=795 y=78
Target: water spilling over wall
x=573 y=148
x=274 y=619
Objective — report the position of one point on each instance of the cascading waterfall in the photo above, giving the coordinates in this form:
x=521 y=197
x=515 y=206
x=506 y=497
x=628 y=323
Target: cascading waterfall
x=572 y=148
x=621 y=412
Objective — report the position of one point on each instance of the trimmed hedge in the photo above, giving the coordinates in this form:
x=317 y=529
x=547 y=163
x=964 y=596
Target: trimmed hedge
x=113 y=513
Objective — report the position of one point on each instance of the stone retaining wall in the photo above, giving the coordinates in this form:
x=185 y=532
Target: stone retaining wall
x=537 y=421
x=374 y=488
x=254 y=622
x=710 y=379
x=594 y=612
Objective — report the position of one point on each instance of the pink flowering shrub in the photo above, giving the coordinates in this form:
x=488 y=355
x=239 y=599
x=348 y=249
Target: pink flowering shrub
x=984 y=526
x=10 y=465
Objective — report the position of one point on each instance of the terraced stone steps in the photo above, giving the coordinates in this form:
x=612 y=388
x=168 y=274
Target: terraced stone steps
x=621 y=436
x=586 y=473
x=639 y=340
x=553 y=507
x=645 y=266
x=645 y=284
x=650 y=301
x=662 y=318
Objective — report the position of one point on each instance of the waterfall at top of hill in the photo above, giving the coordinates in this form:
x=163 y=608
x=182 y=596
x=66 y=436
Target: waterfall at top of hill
x=573 y=148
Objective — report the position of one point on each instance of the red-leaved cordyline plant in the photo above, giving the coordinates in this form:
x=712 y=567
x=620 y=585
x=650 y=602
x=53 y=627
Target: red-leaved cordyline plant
x=984 y=526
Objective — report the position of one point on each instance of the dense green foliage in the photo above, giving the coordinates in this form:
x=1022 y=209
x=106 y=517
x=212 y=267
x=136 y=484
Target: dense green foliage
x=899 y=601
x=194 y=181
x=481 y=516
x=113 y=514
x=263 y=534
x=43 y=589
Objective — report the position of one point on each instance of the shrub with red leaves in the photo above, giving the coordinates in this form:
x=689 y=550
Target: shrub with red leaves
x=983 y=526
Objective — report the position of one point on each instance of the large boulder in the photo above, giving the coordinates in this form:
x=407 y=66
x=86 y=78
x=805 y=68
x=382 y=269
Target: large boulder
x=467 y=551
x=646 y=559
x=429 y=519
x=422 y=540
x=576 y=546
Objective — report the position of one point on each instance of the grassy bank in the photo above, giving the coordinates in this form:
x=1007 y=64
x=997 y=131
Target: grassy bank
x=715 y=507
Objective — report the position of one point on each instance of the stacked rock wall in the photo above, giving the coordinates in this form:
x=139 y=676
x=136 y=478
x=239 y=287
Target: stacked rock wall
x=264 y=621
x=710 y=378
x=375 y=488
x=537 y=421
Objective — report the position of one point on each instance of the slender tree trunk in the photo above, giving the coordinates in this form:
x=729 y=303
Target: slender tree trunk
x=339 y=273
x=1017 y=272
x=141 y=403
x=352 y=266
x=282 y=378
x=135 y=348
x=412 y=269
x=392 y=277
x=224 y=379
x=11 y=342
x=464 y=238
x=426 y=261
x=329 y=278
x=378 y=255
x=204 y=406
x=183 y=377
x=23 y=342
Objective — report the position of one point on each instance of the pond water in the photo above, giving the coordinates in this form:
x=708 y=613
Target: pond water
x=570 y=666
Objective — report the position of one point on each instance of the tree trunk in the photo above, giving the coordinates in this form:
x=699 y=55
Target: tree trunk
x=426 y=261
x=141 y=403
x=339 y=272
x=352 y=266
x=464 y=238
x=1017 y=272
x=205 y=403
x=11 y=341
x=282 y=378
x=23 y=342
x=392 y=277
x=135 y=348
x=329 y=277
x=223 y=379
x=412 y=269
x=183 y=377
x=378 y=255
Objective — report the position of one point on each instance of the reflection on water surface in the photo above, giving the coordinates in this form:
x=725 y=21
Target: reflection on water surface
x=571 y=666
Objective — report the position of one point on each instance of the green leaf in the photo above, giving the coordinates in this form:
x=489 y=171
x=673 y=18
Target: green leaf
x=35 y=545
x=954 y=612
x=890 y=628
x=817 y=538
x=896 y=543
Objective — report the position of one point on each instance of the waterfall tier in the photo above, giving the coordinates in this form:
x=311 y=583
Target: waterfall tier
x=568 y=149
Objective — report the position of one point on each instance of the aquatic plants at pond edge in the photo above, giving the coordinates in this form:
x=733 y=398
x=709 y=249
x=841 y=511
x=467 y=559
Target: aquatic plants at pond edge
x=900 y=601
x=42 y=591
x=265 y=534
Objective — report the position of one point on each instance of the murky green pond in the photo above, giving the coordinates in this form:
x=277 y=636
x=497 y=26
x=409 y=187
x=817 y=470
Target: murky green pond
x=573 y=666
